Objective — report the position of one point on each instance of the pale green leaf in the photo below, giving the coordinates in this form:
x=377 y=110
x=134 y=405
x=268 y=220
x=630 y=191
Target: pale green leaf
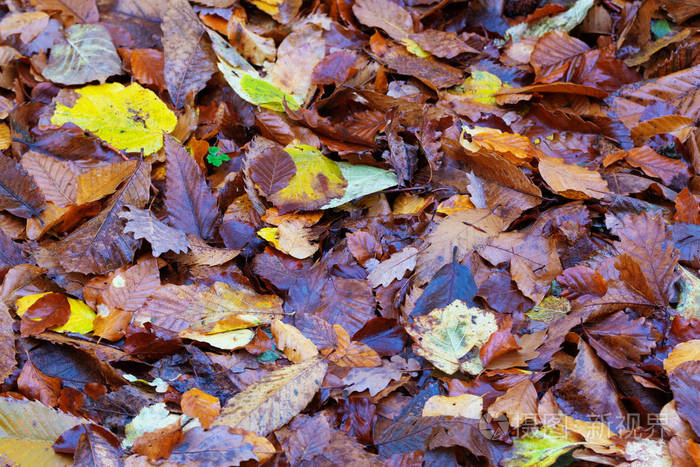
x=689 y=302
x=541 y=448
x=564 y=21
x=362 y=180
x=150 y=418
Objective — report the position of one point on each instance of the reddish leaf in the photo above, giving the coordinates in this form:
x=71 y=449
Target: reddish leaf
x=19 y=194
x=335 y=68
x=36 y=385
x=158 y=444
x=272 y=168
x=583 y=283
x=49 y=311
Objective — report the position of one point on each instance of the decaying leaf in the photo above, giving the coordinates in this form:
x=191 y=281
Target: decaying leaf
x=446 y=335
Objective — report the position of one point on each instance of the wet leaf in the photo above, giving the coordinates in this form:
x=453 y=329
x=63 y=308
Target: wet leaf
x=572 y=181
x=466 y=406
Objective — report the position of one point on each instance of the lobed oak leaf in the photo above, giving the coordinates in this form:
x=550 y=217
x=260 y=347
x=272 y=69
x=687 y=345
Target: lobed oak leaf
x=88 y=54
x=190 y=203
x=131 y=118
x=163 y=238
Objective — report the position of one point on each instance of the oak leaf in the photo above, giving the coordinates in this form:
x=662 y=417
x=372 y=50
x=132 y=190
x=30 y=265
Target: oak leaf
x=393 y=268
x=163 y=238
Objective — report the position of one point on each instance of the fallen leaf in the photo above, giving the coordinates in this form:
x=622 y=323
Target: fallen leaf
x=393 y=268
x=101 y=181
x=87 y=55
x=271 y=402
x=293 y=343
x=38 y=386
x=542 y=447
x=386 y=15
x=466 y=406
x=19 y=195
x=83 y=11
x=158 y=444
x=55 y=178
x=163 y=238
x=199 y=404
x=350 y=354
x=50 y=311
x=189 y=59
x=565 y=21
x=446 y=335
x=683 y=352
x=81 y=315
x=28 y=25
x=130 y=118
x=572 y=181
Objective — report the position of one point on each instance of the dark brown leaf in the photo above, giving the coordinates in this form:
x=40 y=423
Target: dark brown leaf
x=271 y=168
x=191 y=205
x=19 y=194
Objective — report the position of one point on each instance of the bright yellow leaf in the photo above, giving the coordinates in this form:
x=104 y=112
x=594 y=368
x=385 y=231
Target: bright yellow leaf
x=317 y=181
x=482 y=87
x=127 y=117
x=81 y=315
x=5 y=138
x=414 y=48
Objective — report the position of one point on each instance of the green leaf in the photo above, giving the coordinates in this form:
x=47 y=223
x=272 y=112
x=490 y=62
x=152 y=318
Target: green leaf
x=130 y=117
x=362 y=180
x=565 y=21
x=215 y=157
x=660 y=28
x=541 y=448
x=87 y=55
x=689 y=301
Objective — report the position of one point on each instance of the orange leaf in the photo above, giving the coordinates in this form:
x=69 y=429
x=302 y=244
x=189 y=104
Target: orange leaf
x=514 y=147
x=158 y=444
x=572 y=181
x=36 y=385
x=199 y=404
x=351 y=354
x=656 y=165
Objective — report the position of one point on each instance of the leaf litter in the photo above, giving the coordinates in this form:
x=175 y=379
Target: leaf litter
x=380 y=232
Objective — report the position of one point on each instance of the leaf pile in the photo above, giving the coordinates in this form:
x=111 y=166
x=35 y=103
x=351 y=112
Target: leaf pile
x=373 y=232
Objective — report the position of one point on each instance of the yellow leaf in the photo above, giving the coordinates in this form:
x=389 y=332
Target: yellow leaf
x=317 y=180
x=549 y=309
x=129 y=118
x=455 y=203
x=292 y=342
x=28 y=429
x=414 y=48
x=466 y=405
x=228 y=340
x=290 y=237
x=482 y=87
x=81 y=316
x=96 y=183
x=446 y=335
x=684 y=352
x=5 y=138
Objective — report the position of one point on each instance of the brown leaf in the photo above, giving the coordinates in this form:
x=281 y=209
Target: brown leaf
x=443 y=44
x=217 y=446
x=582 y=283
x=386 y=15
x=158 y=444
x=645 y=240
x=620 y=340
x=111 y=325
x=51 y=310
x=191 y=206
x=163 y=238
x=435 y=74
x=97 y=447
x=631 y=273
x=519 y=403
x=80 y=11
x=335 y=68
x=147 y=66
x=292 y=342
x=8 y=363
x=100 y=245
x=687 y=207
x=19 y=195
x=655 y=165
x=38 y=386
x=254 y=48
x=553 y=54
x=363 y=246
x=572 y=181
x=684 y=381
x=199 y=404
x=101 y=181
x=351 y=354
x=393 y=268
x=271 y=167
x=558 y=87
x=189 y=58
x=57 y=181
